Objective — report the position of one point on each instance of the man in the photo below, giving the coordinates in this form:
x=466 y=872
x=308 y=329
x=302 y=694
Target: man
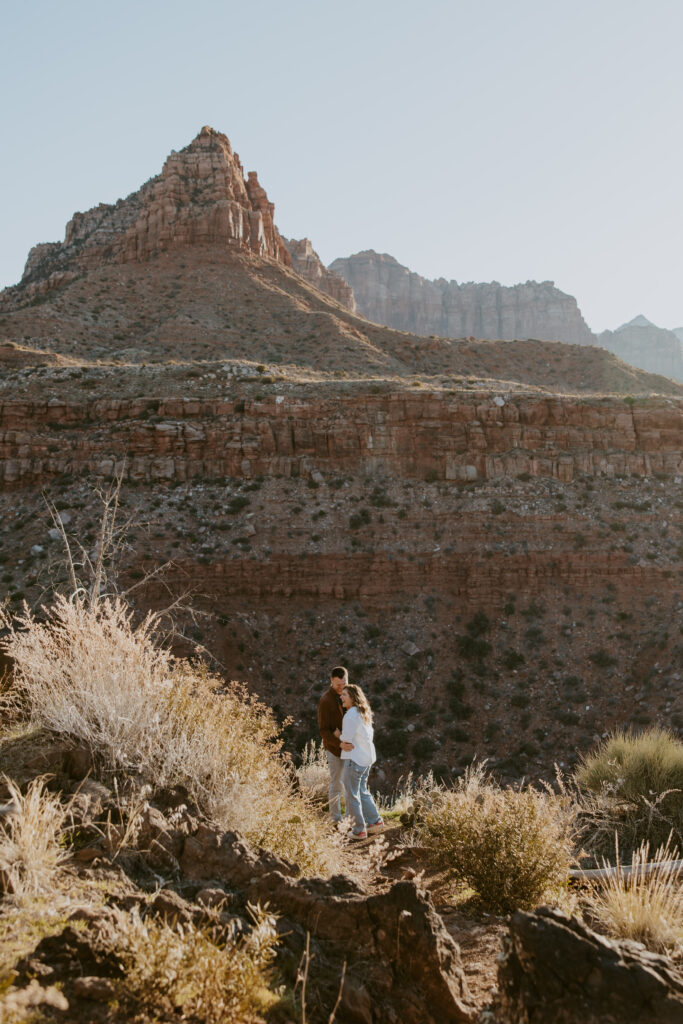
x=330 y=714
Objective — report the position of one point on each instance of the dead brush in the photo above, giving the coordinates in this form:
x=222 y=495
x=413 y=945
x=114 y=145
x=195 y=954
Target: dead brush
x=313 y=773
x=90 y=673
x=192 y=970
x=31 y=841
x=645 y=902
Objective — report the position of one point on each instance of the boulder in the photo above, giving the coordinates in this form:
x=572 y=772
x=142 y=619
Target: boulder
x=554 y=968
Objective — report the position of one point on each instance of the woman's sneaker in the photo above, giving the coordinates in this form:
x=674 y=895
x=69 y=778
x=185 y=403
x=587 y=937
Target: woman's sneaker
x=359 y=835
x=377 y=827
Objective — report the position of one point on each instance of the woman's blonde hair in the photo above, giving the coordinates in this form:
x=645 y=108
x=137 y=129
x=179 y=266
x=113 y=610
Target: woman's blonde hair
x=360 y=701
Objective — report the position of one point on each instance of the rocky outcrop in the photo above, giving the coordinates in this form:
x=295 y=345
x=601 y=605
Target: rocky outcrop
x=201 y=196
x=408 y=434
x=308 y=264
x=421 y=974
x=389 y=293
x=641 y=343
x=556 y=969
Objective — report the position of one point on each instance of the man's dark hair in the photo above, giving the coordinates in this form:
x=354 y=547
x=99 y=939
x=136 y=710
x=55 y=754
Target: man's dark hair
x=338 y=673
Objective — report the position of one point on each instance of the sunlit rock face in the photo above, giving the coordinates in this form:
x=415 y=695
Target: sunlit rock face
x=308 y=264
x=389 y=293
x=641 y=343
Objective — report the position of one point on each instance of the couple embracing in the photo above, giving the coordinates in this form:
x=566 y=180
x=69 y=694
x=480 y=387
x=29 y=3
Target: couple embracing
x=345 y=723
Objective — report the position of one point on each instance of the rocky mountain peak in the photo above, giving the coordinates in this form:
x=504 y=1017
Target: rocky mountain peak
x=642 y=343
x=200 y=196
x=638 y=321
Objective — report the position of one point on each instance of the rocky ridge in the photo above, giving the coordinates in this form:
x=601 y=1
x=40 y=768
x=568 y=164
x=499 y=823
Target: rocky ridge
x=388 y=293
x=416 y=481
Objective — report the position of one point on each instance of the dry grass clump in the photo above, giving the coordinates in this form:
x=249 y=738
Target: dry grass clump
x=631 y=785
x=645 y=904
x=90 y=673
x=188 y=972
x=511 y=846
x=31 y=851
x=313 y=773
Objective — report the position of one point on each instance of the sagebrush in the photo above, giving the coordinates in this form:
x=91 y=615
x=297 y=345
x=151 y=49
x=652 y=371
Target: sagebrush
x=513 y=847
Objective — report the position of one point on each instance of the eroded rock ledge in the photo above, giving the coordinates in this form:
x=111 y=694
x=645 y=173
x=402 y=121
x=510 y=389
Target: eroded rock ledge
x=418 y=435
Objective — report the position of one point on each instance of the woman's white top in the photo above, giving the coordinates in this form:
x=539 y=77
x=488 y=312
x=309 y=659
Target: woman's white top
x=359 y=732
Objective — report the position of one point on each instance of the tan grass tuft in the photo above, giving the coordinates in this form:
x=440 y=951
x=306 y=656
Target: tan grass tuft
x=31 y=853
x=645 y=904
x=313 y=773
x=631 y=785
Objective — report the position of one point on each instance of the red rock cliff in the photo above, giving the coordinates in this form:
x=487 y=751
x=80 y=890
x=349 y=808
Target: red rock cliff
x=403 y=434
x=200 y=196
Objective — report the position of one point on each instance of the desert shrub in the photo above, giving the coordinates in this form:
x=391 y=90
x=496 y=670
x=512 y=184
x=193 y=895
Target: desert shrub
x=602 y=658
x=90 y=673
x=472 y=647
x=631 y=785
x=513 y=659
x=423 y=747
x=392 y=742
x=511 y=846
x=644 y=904
x=188 y=972
x=31 y=849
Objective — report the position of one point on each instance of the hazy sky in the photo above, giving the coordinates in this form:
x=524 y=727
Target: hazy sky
x=477 y=140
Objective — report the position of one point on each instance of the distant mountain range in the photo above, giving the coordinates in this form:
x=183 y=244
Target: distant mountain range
x=387 y=292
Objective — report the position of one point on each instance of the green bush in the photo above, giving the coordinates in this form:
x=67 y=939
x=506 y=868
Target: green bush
x=632 y=785
x=511 y=846
x=423 y=747
x=513 y=659
x=472 y=647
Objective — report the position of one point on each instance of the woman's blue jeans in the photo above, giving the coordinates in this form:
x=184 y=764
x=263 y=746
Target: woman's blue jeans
x=361 y=806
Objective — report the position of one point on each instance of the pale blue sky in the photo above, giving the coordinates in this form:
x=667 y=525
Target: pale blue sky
x=494 y=140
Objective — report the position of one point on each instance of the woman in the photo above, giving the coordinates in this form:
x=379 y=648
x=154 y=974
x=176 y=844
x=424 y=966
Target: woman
x=358 y=754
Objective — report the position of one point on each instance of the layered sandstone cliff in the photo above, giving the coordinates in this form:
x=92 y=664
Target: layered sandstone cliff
x=308 y=264
x=388 y=293
x=411 y=435
x=201 y=196
x=643 y=344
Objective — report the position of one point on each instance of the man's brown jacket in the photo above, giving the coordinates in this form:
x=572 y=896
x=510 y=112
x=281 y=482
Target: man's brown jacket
x=330 y=716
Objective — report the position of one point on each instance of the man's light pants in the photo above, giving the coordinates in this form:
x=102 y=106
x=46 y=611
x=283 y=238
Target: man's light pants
x=337 y=788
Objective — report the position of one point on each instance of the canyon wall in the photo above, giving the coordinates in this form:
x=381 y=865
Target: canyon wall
x=308 y=264
x=643 y=344
x=420 y=435
x=389 y=293
x=201 y=196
